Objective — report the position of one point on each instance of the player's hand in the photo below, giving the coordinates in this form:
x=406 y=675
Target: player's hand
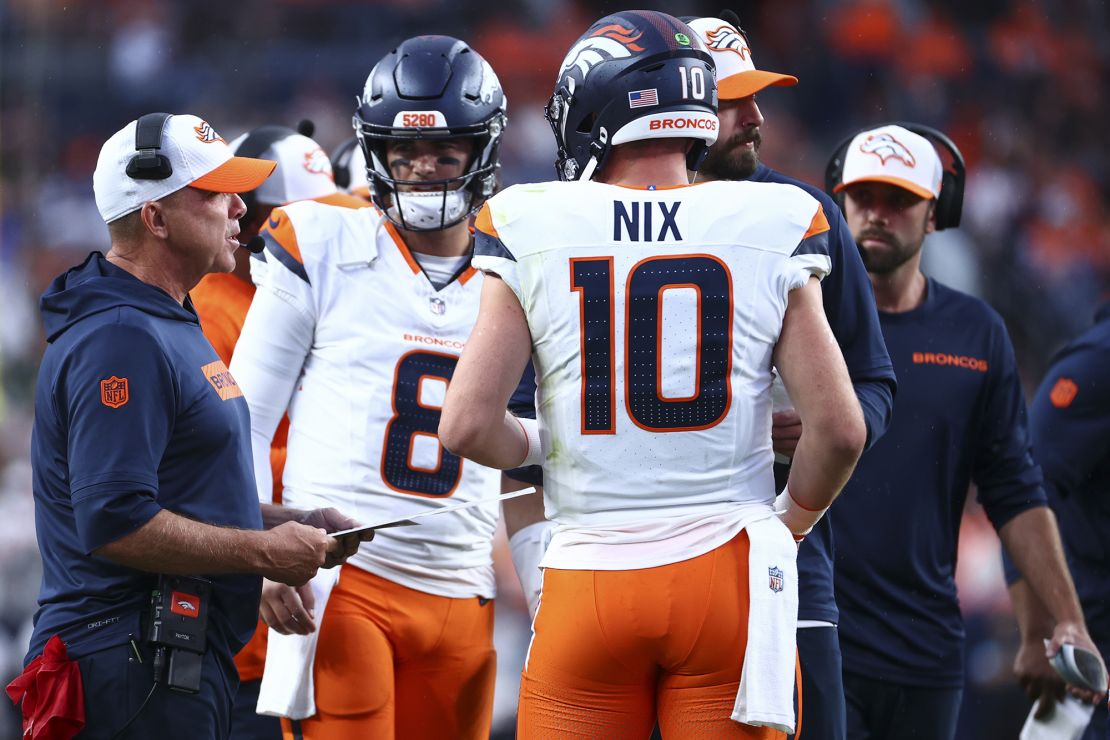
x=288 y=610
x=292 y=552
x=786 y=430
x=332 y=520
x=1037 y=678
x=1075 y=634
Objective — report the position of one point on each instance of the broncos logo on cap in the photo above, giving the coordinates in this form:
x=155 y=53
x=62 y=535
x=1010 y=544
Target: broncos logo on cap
x=206 y=133
x=727 y=38
x=608 y=42
x=317 y=162
x=884 y=146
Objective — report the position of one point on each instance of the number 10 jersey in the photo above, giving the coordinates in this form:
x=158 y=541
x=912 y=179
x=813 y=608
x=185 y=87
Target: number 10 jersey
x=654 y=315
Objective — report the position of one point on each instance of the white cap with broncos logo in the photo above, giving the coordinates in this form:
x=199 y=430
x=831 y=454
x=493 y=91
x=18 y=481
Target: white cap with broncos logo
x=303 y=170
x=737 y=76
x=198 y=156
x=895 y=156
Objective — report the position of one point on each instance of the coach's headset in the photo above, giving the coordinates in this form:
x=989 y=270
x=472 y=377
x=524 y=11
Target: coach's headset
x=150 y=163
x=950 y=202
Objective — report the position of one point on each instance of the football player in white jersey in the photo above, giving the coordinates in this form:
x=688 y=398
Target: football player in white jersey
x=654 y=311
x=358 y=321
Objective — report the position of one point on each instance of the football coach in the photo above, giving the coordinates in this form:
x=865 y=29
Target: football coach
x=152 y=539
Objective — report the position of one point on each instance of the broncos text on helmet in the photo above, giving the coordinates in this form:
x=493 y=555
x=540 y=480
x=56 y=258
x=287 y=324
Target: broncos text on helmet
x=431 y=87
x=633 y=75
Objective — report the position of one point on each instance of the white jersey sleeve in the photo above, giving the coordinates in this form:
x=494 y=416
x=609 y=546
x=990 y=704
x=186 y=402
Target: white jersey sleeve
x=276 y=337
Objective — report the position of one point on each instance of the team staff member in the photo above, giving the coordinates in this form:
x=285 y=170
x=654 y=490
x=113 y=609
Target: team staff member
x=850 y=308
x=659 y=474
x=1069 y=423
x=221 y=300
x=356 y=327
x=141 y=448
x=959 y=417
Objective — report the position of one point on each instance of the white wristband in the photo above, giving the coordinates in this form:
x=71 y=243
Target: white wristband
x=534 y=453
x=528 y=546
x=798 y=519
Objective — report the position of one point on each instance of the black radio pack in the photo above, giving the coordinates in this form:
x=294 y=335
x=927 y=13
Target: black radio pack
x=178 y=621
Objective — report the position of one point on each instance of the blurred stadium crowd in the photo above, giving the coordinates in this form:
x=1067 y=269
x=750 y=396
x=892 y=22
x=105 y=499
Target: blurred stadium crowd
x=1018 y=84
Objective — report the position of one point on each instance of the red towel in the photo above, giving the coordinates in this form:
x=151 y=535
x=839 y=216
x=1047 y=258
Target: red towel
x=52 y=695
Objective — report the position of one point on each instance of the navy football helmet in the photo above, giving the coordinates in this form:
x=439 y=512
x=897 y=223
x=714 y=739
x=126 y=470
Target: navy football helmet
x=634 y=75
x=431 y=87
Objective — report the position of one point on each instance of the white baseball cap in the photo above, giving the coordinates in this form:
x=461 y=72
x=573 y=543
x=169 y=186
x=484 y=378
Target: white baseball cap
x=737 y=76
x=303 y=170
x=198 y=156
x=896 y=156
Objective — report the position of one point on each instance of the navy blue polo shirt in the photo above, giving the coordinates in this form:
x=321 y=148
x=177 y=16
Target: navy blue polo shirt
x=1069 y=421
x=850 y=308
x=134 y=413
x=959 y=417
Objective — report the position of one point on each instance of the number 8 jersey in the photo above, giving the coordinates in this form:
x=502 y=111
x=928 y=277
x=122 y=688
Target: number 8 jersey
x=348 y=332
x=654 y=315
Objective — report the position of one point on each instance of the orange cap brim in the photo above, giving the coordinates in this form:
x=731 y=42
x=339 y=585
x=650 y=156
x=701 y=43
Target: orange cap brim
x=236 y=175
x=743 y=84
x=898 y=182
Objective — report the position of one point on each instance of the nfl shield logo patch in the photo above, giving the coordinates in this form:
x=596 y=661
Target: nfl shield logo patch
x=774 y=578
x=438 y=306
x=114 y=392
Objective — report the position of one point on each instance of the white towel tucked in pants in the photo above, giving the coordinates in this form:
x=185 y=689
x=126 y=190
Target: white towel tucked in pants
x=766 y=695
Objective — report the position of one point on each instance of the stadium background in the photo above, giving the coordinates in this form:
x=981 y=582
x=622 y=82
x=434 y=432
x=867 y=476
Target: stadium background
x=1017 y=83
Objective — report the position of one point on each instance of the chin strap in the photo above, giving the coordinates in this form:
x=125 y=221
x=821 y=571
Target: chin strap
x=588 y=170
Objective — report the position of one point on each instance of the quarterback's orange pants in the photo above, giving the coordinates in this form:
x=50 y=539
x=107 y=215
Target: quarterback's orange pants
x=393 y=662
x=615 y=650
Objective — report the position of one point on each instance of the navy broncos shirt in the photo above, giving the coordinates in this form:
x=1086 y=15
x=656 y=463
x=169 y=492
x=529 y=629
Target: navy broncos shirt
x=850 y=308
x=134 y=413
x=1070 y=425
x=959 y=417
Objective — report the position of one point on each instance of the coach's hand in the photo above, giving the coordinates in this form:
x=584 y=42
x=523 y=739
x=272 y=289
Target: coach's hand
x=292 y=553
x=1076 y=634
x=786 y=430
x=1037 y=677
x=332 y=520
x=288 y=610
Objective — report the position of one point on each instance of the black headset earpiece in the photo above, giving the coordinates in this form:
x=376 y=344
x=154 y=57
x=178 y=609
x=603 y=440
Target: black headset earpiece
x=149 y=163
x=256 y=143
x=341 y=162
x=950 y=203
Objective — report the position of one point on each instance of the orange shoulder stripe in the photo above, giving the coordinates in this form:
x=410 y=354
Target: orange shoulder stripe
x=484 y=222
x=281 y=229
x=819 y=223
x=346 y=200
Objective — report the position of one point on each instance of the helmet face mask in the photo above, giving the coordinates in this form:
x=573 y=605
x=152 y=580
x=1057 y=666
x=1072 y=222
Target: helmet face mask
x=633 y=76
x=431 y=88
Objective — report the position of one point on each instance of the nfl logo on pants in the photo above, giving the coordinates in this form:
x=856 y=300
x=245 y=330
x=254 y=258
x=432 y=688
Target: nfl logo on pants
x=774 y=578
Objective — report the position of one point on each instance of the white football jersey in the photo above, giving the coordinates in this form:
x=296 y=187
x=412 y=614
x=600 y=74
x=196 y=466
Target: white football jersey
x=654 y=315
x=348 y=333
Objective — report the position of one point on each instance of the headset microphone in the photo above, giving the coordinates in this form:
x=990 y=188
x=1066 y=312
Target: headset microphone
x=255 y=245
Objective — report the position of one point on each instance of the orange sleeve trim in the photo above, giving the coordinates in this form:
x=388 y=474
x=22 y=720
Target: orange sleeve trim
x=280 y=227
x=818 y=225
x=484 y=222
